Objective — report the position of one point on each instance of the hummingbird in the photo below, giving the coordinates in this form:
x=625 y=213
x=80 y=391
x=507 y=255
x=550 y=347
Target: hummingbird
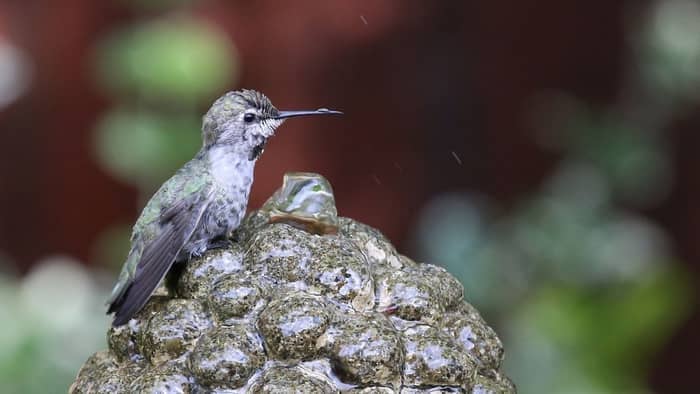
x=198 y=207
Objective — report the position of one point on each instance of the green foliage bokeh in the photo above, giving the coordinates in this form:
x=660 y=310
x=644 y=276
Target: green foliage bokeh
x=177 y=60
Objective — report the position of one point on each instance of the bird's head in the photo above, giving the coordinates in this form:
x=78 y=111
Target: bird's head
x=246 y=119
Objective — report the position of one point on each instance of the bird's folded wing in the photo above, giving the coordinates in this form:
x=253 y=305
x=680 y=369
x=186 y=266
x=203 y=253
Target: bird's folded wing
x=177 y=225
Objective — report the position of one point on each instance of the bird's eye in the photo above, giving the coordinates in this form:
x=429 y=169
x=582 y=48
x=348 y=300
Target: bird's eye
x=249 y=117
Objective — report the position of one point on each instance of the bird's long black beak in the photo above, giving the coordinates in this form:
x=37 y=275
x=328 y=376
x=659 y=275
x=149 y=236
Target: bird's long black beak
x=320 y=111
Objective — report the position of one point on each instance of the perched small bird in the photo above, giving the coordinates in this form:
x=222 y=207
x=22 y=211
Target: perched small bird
x=204 y=201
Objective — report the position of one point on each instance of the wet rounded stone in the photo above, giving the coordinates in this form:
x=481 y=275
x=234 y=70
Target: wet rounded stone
x=359 y=231
x=100 y=361
x=433 y=358
x=233 y=297
x=122 y=340
x=227 y=356
x=172 y=332
x=492 y=385
x=432 y=390
x=251 y=224
x=292 y=380
x=407 y=295
x=280 y=254
x=475 y=337
x=445 y=287
x=200 y=274
x=166 y=378
x=94 y=375
x=365 y=350
x=105 y=376
x=370 y=390
x=339 y=269
x=381 y=254
x=291 y=325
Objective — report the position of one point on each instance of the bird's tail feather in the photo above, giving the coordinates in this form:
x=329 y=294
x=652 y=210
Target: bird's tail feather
x=155 y=262
x=178 y=223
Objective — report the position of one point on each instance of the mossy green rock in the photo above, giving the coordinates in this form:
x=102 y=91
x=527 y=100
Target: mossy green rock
x=227 y=356
x=292 y=324
x=309 y=308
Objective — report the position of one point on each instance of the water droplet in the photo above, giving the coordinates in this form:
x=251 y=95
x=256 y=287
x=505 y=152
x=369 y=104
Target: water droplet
x=457 y=159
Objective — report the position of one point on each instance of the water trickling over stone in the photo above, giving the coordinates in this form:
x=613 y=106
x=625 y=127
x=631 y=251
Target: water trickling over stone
x=303 y=302
x=305 y=200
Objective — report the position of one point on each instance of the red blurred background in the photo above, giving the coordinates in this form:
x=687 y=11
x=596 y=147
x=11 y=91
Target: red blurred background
x=436 y=96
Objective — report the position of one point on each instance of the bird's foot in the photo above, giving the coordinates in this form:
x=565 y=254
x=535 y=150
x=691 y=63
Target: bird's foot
x=220 y=243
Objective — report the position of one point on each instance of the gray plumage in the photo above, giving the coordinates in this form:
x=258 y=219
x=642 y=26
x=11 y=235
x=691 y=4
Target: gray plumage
x=204 y=201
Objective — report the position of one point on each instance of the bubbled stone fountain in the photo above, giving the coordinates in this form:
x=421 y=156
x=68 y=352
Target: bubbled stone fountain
x=303 y=301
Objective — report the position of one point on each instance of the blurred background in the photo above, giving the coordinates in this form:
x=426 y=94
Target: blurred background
x=544 y=152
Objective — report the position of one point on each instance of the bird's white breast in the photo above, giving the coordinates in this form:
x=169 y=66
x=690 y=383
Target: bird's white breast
x=231 y=169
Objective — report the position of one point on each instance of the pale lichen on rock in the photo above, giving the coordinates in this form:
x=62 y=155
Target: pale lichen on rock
x=321 y=305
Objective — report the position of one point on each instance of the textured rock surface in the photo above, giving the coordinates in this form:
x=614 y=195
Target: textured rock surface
x=325 y=305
